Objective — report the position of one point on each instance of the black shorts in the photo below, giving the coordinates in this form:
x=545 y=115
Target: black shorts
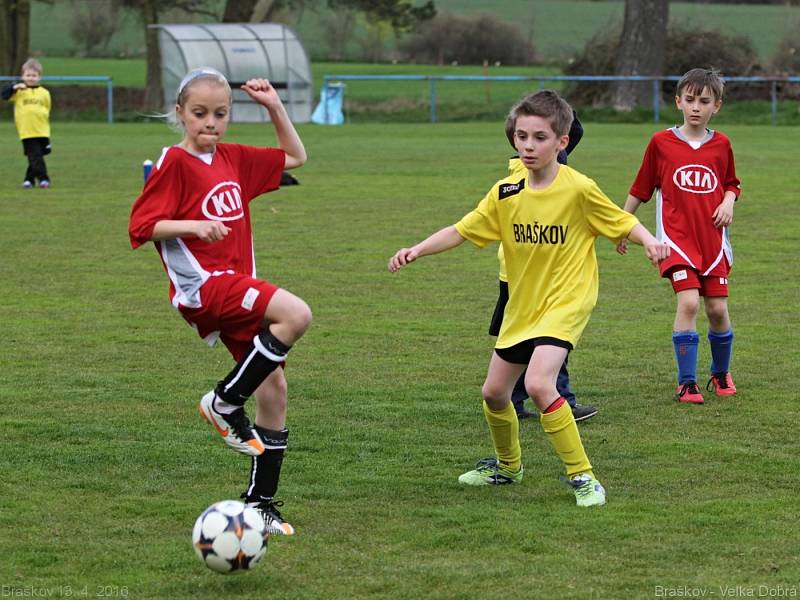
x=520 y=354
x=37 y=145
x=499 y=309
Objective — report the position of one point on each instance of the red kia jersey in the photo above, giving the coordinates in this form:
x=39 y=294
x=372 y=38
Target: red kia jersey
x=690 y=184
x=183 y=186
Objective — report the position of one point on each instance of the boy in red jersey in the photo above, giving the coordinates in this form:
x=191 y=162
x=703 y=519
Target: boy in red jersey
x=195 y=209
x=691 y=168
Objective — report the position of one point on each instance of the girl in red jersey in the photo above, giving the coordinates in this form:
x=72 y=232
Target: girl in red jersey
x=195 y=210
x=692 y=170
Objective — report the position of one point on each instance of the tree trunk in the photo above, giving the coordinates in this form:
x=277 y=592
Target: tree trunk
x=239 y=11
x=14 y=35
x=154 y=92
x=641 y=51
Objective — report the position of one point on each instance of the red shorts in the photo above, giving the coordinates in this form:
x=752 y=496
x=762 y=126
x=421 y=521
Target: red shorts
x=685 y=278
x=232 y=311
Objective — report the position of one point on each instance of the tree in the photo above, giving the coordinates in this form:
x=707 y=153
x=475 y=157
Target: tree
x=149 y=11
x=154 y=91
x=402 y=15
x=239 y=11
x=92 y=27
x=15 y=26
x=641 y=50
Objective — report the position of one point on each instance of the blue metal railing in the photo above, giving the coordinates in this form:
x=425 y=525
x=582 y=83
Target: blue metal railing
x=542 y=79
x=81 y=78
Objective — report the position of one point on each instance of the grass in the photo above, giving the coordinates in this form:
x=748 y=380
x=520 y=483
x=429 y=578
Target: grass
x=409 y=101
x=106 y=463
x=551 y=24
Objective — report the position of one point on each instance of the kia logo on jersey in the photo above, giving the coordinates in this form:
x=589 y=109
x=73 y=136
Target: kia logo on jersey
x=224 y=202
x=695 y=178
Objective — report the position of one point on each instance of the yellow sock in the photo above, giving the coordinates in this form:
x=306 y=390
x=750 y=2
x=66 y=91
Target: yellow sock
x=504 y=427
x=560 y=427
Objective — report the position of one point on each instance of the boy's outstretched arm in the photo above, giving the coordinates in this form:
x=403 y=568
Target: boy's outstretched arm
x=289 y=141
x=656 y=251
x=631 y=204
x=442 y=240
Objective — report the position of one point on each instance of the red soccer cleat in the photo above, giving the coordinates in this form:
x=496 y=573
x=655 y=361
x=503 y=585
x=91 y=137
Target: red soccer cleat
x=689 y=393
x=721 y=384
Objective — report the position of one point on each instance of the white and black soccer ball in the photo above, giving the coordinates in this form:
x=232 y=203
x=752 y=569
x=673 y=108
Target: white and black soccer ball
x=230 y=536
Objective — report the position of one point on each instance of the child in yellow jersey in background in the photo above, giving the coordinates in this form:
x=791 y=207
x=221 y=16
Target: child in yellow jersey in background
x=32 y=118
x=547 y=225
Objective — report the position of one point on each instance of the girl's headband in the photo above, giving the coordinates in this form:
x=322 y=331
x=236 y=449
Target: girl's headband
x=195 y=73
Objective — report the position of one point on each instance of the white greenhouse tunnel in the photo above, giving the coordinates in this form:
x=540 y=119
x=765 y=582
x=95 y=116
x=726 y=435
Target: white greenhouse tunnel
x=240 y=52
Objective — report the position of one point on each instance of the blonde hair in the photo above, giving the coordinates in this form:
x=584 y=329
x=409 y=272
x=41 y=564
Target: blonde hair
x=31 y=65
x=547 y=104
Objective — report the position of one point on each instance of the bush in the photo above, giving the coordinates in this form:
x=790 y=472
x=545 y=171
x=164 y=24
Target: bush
x=691 y=46
x=786 y=60
x=687 y=47
x=449 y=38
x=92 y=26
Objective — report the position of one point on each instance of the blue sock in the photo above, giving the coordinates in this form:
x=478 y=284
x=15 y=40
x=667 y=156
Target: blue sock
x=686 y=343
x=721 y=350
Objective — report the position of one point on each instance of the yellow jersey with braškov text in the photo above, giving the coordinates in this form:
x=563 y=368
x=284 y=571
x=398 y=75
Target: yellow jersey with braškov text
x=32 y=112
x=548 y=239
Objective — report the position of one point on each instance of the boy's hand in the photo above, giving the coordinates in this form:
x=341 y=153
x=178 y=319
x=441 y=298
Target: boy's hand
x=262 y=92
x=402 y=257
x=622 y=247
x=211 y=231
x=723 y=216
x=656 y=251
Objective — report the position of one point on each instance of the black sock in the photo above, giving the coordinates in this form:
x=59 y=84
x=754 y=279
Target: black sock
x=265 y=470
x=261 y=359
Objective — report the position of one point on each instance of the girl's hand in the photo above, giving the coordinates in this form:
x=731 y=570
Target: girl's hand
x=20 y=86
x=262 y=92
x=622 y=247
x=211 y=231
x=401 y=258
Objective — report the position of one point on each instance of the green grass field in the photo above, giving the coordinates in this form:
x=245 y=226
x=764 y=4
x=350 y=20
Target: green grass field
x=106 y=462
x=551 y=24
x=408 y=101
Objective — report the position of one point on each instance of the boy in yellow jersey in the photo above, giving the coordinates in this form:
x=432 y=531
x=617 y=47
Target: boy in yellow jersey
x=32 y=118
x=547 y=223
x=581 y=412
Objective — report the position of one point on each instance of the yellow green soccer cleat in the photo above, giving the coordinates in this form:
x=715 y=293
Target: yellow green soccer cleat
x=588 y=491
x=488 y=471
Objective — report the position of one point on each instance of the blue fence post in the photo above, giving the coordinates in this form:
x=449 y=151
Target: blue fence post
x=774 y=98
x=542 y=79
x=433 y=99
x=110 y=99
x=656 y=100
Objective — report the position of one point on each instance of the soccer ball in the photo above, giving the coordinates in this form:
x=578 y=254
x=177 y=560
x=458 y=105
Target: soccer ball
x=230 y=536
